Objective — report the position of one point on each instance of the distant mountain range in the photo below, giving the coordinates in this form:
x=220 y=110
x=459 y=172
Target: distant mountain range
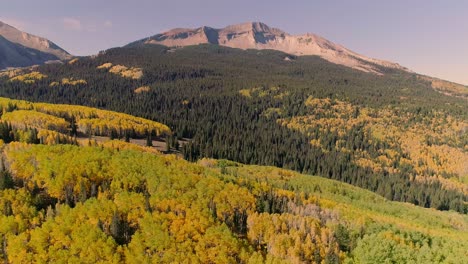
x=20 y=49
x=257 y=35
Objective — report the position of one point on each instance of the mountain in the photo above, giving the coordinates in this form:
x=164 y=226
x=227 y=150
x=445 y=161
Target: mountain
x=257 y=35
x=176 y=172
x=394 y=134
x=20 y=49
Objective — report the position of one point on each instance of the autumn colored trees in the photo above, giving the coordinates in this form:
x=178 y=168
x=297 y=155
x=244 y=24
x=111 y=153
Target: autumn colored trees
x=307 y=115
x=68 y=203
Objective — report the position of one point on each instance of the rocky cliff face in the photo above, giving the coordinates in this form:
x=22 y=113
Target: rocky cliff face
x=256 y=35
x=20 y=49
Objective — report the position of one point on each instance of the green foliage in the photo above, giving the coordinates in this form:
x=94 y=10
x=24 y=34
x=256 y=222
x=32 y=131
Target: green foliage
x=407 y=247
x=111 y=205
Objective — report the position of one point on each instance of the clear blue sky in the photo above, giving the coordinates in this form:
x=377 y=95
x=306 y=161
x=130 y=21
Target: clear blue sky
x=427 y=36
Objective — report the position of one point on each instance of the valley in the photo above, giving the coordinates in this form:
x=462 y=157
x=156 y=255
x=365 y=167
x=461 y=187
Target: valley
x=243 y=144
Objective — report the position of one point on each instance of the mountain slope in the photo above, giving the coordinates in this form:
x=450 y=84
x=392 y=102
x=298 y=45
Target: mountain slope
x=392 y=134
x=20 y=49
x=256 y=35
x=15 y=55
x=118 y=202
x=131 y=206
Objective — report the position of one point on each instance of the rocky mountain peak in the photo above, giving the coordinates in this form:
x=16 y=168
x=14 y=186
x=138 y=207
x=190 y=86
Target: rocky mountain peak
x=257 y=35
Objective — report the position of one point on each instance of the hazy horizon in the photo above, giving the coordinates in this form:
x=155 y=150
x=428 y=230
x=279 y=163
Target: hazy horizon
x=428 y=37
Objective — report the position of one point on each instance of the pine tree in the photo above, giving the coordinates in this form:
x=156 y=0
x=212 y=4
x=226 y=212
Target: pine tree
x=149 y=141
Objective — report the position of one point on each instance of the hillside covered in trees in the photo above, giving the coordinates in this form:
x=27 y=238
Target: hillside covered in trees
x=82 y=201
x=399 y=135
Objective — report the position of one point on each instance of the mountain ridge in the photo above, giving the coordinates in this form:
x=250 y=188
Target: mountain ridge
x=21 y=49
x=257 y=35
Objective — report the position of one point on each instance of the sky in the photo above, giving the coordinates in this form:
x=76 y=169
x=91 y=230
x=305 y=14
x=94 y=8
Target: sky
x=427 y=36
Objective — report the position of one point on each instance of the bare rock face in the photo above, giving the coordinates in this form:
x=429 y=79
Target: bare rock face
x=20 y=49
x=256 y=35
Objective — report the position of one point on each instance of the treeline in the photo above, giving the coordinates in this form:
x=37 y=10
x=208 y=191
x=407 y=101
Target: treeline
x=195 y=91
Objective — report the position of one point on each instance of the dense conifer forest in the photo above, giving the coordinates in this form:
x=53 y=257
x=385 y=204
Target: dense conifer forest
x=256 y=107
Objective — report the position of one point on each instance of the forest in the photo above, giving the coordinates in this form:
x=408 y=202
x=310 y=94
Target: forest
x=113 y=201
x=255 y=107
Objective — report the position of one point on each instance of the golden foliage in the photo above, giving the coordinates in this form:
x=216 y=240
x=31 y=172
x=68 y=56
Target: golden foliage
x=68 y=81
x=180 y=212
x=209 y=163
x=142 y=89
x=30 y=118
x=124 y=71
x=434 y=143
x=11 y=73
x=49 y=116
x=163 y=199
x=103 y=123
x=320 y=104
x=71 y=81
x=53 y=84
x=273 y=91
x=50 y=137
x=122 y=145
x=107 y=65
x=29 y=77
x=296 y=239
x=73 y=61
x=246 y=92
